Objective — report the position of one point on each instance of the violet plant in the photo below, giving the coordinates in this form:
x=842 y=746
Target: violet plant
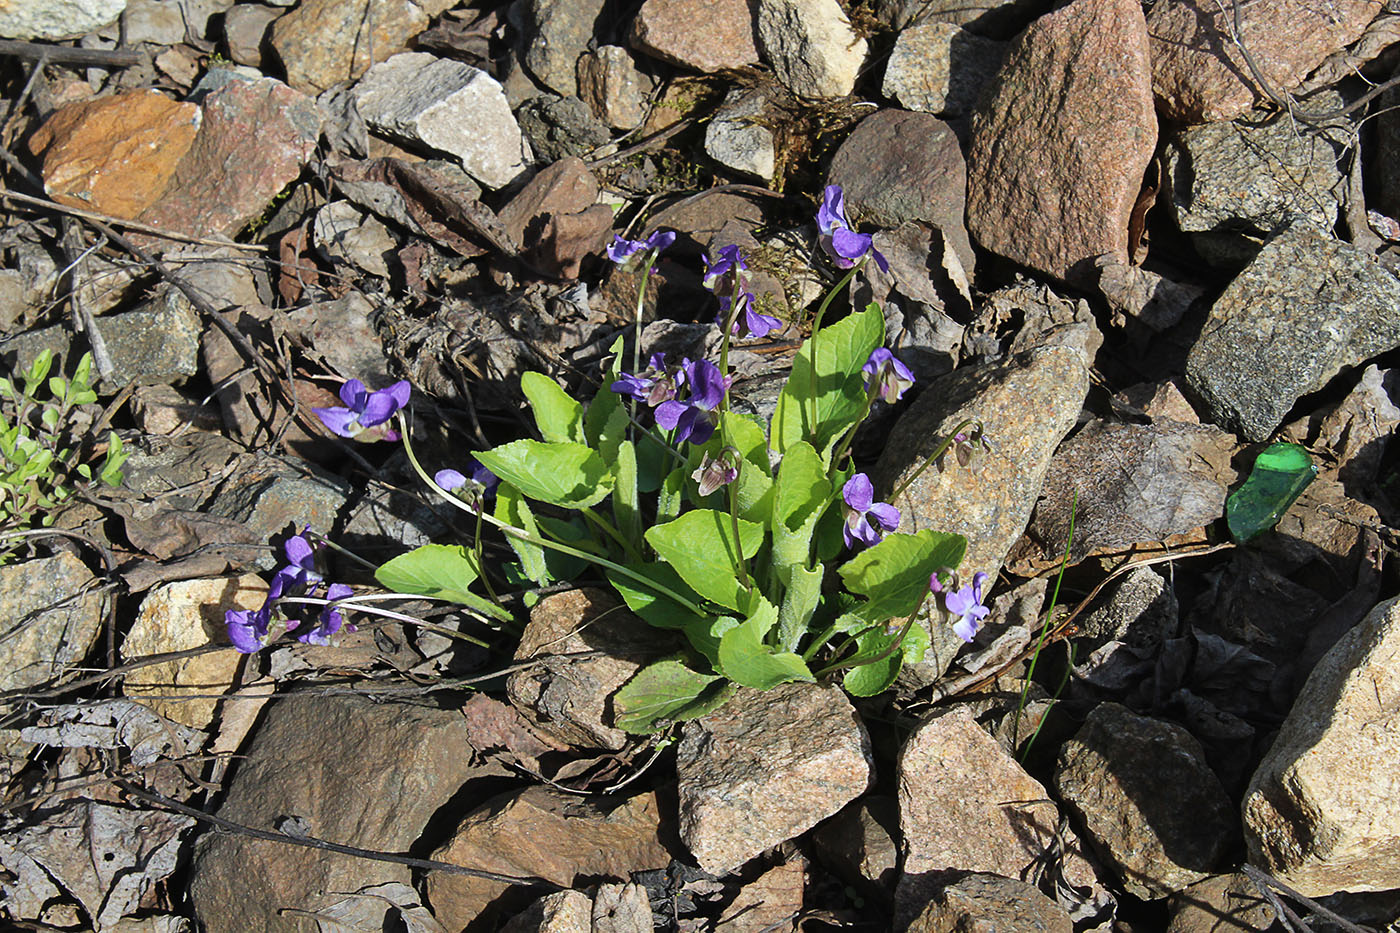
x=761 y=544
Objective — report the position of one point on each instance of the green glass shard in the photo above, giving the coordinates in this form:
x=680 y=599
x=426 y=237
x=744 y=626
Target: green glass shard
x=1281 y=473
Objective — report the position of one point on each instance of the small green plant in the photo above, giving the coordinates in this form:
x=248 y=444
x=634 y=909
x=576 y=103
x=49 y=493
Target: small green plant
x=41 y=449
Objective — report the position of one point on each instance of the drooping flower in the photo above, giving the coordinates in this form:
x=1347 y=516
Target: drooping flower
x=969 y=445
x=301 y=560
x=717 y=471
x=621 y=250
x=965 y=603
x=472 y=488
x=728 y=278
x=885 y=376
x=366 y=414
x=655 y=384
x=838 y=240
x=694 y=419
x=329 y=621
x=866 y=520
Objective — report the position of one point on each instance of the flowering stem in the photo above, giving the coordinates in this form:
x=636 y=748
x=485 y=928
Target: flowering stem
x=891 y=648
x=322 y=539
x=741 y=568
x=816 y=326
x=353 y=602
x=521 y=534
x=647 y=263
x=938 y=451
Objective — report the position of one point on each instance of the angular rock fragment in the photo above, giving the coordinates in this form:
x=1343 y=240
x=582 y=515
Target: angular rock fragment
x=1321 y=813
x=448 y=106
x=810 y=46
x=1308 y=306
x=765 y=767
x=941 y=68
x=51 y=616
x=1061 y=138
x=1199 y=73
x=1147 y=798
x=322 y=43
x=557 y=33
x=987 y=901
x=613 y=87
x=56 y=19
x=737 y=137
x=667 y=30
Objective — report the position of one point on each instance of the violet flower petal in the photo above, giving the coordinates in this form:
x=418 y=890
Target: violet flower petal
x=858 y=492
x=340 y=421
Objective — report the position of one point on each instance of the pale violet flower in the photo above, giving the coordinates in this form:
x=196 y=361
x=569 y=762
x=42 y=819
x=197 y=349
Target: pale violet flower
x=366 y=414
x=838 y=240
x=866 y=520
x=885 y=376
x=965 y=603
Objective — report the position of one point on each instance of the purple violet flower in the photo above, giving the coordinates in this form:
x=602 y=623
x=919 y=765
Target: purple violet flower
x=727 y=278
x=866 y=520
x=717 y=471
x=621 y=250
x=966 y=604
x=472 y=489
x=247 y=629
x=694 y=419
x=329 y=621
x=838 y=240
x=886 y=377
x=365 y=413
x=655 y=384
x=301 y=560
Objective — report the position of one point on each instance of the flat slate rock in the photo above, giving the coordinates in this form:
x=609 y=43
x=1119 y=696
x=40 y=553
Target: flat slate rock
x=1061 y=139
x=1307 y=307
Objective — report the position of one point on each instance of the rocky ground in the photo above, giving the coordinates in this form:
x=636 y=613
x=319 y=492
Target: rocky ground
x=1137 y=244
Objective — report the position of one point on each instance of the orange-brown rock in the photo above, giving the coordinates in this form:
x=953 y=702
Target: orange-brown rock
x=115 y=155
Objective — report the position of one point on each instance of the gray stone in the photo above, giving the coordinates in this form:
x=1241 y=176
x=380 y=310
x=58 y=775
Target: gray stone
x=56 y=19
x=810 y=46
x=558 y=32
x=1254 y=174
x=447 y=106
x=273 y=496
x=737 y=139
x=570 y=699
x=345 y=234
x=1321 y=813
x=1150 y=803
x=156 y=344
x=341 y=331
x=1028 y=404
x=560 y=912
x=560 y=127
x=158 y=21
x=352 y=770
x=246 y=28
x=982 y=901
x=1071 y=110
x=1308 y=306
x=613 y=87
x=897 y=167
x=50 y=616
x=765 y=767
x=941 y=68
x=945 y=770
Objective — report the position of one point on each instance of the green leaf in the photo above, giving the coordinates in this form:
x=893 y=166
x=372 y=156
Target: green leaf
x=650 y=603
x=842 y=349
x=745 y=659
x=701 y=546
x=893 y=575
x=667 y=692
x=874 y=677
x=605 y=422
x=439 y=570
x=37 y=371
x=512 y=509
x=626 y=506
x=560 y=473
x=1281 y=473
x=558 y=415
x=804 y=592
x=801 y=494
x=112 y=467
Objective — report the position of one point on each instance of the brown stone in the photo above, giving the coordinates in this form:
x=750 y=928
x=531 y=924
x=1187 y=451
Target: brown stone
x=566 y=187
x=256 y=136
x=114 y=155
x=1198 y=72
x=1060 y=142
x=706 y=35
x=989 y=902
x=547 y=834
x=323 y=43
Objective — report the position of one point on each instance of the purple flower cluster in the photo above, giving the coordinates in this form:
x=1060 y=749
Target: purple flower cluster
x=659 y=386
x=248 y=629
x=621 y=250
x=838 y=240
x=728 y=278
x=866 y=520
x=366 y=414
x=963 y=602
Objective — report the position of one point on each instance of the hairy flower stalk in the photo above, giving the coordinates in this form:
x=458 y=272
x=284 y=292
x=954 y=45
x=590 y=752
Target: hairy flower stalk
x=621 y=251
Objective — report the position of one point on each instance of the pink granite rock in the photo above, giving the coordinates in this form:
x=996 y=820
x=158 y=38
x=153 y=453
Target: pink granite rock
x=668 y=30
x=1060 y=142
x=1198 y=72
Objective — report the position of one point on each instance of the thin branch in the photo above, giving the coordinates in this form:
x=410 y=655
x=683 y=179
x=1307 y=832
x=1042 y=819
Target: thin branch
x=67 y=55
